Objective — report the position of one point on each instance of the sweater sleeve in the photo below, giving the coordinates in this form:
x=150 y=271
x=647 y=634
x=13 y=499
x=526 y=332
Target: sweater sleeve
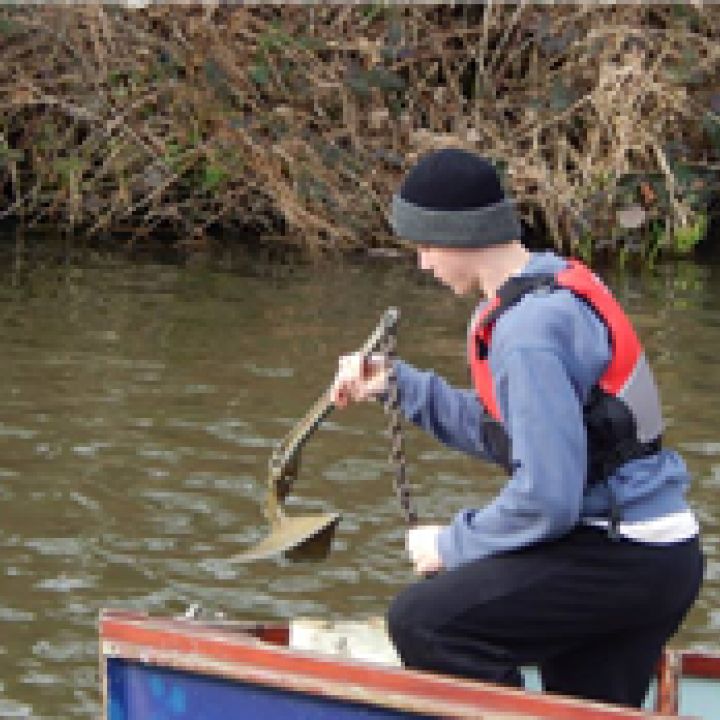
x=453 y=416
x=543 y=498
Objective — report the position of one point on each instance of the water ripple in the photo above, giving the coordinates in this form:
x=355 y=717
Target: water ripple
x=140 y=410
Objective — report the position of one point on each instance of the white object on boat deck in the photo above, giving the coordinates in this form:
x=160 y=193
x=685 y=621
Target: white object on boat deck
x=366 y=640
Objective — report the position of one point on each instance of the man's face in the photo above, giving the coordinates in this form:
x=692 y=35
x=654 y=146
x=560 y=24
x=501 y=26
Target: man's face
x=449 y=265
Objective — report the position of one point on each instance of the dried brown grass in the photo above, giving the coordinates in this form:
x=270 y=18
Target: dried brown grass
x=299 y=120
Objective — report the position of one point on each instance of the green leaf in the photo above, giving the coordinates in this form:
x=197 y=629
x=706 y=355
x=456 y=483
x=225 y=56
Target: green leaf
x=359 y=83
x=8 y=27
x=67 y=166
x=275 y=39
x=535 y=102
x=213 y=176
x=386 y=80
x=372 y=11
x=379 y=77
x=681 y=11
x=561 y=96
x=259 y=74
x=215 y=75
x=395 y=32
x=9 y=155
x=686 y=238
x=711 y=125
x=308 y=42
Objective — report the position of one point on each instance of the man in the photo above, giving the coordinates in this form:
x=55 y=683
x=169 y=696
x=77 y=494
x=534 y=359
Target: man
x=588 y=559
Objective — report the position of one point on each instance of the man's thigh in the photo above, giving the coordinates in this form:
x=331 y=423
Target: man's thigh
x=613 y=668
x=544 y=600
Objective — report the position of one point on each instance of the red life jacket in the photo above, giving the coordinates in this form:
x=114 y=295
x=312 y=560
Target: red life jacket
x=622 y=415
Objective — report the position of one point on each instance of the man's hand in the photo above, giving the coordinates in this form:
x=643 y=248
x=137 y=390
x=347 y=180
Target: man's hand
x=359 y=378
x=422 y=546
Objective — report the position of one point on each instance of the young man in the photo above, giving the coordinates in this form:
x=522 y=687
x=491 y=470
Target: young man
x=588 y=559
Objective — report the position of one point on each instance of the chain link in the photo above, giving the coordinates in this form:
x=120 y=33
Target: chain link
x=397 y=451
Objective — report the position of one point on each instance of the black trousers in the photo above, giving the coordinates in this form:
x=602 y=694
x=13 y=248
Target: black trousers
x=592 y=613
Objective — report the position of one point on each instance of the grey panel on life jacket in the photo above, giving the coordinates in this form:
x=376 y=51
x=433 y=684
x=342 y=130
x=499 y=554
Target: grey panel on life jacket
x=640 y=394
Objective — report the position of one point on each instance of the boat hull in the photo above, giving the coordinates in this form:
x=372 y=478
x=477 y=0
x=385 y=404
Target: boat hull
x=183 y=669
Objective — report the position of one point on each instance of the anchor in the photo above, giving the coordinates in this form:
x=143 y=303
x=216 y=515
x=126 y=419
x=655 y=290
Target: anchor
x=309 y=537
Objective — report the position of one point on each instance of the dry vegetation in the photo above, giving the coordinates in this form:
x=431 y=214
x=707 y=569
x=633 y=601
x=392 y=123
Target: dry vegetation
x=297 y=121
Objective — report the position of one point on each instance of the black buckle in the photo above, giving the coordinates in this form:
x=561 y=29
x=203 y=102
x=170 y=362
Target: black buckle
x=481 y=348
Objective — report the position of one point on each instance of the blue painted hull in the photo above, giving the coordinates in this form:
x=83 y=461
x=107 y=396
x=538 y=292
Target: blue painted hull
x=138 y=691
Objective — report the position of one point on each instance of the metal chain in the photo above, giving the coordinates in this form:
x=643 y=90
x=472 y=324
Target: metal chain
x=392 y=410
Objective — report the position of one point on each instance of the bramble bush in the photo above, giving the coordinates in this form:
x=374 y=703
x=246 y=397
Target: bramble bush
x=294 y=123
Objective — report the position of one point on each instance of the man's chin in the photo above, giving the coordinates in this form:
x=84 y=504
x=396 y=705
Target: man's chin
x=458 y=288
x=461 y=289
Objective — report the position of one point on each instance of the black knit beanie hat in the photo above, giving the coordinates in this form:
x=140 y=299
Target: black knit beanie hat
x=453 y=198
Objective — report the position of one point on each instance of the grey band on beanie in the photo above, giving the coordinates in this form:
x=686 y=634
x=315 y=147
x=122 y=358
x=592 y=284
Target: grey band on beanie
x=477 y=227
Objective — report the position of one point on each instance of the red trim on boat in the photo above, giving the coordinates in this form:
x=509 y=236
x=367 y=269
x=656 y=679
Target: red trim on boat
x=700 y=665
x=221 y=642
x=668 y=672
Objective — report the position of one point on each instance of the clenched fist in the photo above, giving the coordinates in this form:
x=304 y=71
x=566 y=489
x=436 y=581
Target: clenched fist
x=359 y=378
x=422 y=546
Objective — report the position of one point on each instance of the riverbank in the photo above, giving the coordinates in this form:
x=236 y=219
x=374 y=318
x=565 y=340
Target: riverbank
x=293 y=124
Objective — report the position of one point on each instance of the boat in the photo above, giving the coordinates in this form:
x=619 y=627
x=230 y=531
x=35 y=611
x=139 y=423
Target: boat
x=211 y=668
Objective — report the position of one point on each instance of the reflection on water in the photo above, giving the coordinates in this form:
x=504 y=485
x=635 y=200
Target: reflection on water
x=140 y=406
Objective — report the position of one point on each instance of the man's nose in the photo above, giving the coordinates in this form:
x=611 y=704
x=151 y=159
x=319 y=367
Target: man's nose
x=423 y=263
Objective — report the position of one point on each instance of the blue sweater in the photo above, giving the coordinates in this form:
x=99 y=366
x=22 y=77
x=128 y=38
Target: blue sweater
x=547 y=353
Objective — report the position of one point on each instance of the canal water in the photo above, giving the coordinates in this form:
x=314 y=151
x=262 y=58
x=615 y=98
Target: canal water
x=141 y=402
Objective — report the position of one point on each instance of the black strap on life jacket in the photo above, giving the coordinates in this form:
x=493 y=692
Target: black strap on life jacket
x=612 y=435
x=510 y=293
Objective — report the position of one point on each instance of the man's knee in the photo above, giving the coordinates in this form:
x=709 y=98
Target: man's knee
x=399 y=619
x=409 y=622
